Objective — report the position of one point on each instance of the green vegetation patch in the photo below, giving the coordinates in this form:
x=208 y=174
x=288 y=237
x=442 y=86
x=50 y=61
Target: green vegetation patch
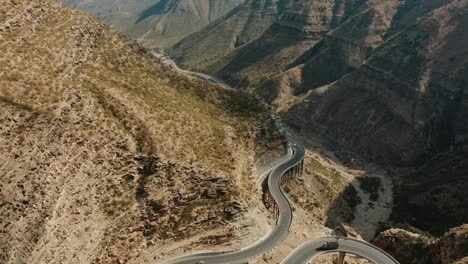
x=350 y=195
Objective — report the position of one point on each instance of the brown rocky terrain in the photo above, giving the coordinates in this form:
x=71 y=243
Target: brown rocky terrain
x=406 y=106
x=289 y=49
x=346 y=46
x=413 y=248
x=244 y=24
x=385 y=78
x=106 y=154
x=261 y=39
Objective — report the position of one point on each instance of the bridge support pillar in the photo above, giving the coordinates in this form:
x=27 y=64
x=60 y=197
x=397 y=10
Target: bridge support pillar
x=302 y=168
x=341 y=257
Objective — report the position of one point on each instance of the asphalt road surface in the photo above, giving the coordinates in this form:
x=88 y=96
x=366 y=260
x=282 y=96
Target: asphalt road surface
x=310 y=250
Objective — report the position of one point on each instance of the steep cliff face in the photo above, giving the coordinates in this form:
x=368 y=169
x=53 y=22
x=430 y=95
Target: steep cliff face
x=413 y=248
x=405 y=246
x=106 y=153
x=344 y=48
x=157 y=23
x=406 y=104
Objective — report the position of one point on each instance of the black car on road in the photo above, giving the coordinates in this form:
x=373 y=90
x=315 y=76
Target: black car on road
x=328 y=246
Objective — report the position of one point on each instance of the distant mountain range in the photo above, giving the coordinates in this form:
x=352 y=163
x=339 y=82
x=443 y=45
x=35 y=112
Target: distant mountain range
x=156 y=23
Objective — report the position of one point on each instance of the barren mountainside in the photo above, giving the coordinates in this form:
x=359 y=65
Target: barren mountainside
x=109 y=155
x=406 y=106
x=261 y=39
x=106 y=153
x=156 y=23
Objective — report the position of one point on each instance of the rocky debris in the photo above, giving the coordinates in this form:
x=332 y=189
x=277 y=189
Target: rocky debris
x=453 y=246
x=232 y=210
x=214 y=239
x=405 y=246
x=204 y=201
x=413 y=248
x=348 y=231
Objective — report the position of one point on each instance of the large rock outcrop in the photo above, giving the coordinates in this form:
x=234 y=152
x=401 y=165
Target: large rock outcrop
x=414 y=248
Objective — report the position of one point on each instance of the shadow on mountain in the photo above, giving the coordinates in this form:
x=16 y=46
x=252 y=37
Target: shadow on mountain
x=276 y=38
x=160 y=8
x=433 y=197
x=342 y=208
x=365 y=193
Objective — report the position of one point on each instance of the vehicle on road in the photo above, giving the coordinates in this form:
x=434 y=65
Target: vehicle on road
x=200 y=262
x=328 y=246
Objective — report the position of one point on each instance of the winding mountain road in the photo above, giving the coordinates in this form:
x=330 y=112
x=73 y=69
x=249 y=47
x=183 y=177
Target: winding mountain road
x=280 y=230
x=304 y=253
x=309 y=250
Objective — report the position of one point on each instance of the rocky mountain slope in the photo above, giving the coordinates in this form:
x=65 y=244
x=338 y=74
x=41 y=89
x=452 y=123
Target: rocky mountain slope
x=106 y=154
x=386 y=78
x=241 y=26
x=296 y=40
x=345 y=47
x=413 y=248
x=157 y=23
x=405 y=106
x=261 y=39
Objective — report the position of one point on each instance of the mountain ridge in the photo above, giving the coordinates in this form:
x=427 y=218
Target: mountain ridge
x=156 y=23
